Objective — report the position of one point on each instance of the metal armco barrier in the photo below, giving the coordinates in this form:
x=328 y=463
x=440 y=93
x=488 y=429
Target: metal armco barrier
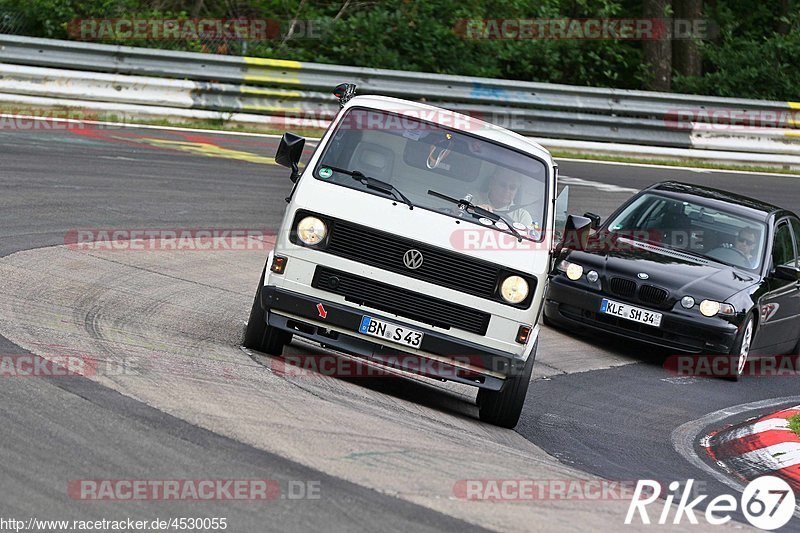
x=77 y=71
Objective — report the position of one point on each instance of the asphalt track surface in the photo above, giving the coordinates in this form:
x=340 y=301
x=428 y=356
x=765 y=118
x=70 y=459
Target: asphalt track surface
x=56 y=430
x=617 y=423
x=614 y=421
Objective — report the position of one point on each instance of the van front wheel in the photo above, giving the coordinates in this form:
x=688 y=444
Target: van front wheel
x=261 y=336
x=504 y=407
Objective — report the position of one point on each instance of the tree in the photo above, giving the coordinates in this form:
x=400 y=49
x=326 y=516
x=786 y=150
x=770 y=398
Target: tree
x=685 y=53
x=658 y=51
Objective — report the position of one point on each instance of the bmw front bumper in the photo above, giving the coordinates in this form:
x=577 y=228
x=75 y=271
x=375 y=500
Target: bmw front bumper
x=575 y=308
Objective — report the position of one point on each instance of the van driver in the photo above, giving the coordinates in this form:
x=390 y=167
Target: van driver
x=503 y=187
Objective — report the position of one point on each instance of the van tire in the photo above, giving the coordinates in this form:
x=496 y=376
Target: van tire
x=504 y=407
x=259 y=335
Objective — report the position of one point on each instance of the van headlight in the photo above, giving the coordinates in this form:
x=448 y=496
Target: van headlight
x=514 y=289
x=311 y=231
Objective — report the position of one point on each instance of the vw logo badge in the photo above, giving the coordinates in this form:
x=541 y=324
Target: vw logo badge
x=642 y=275
x=412 y=259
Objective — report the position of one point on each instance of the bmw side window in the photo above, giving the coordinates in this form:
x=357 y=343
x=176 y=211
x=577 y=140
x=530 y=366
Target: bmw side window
x=783 y=246
x=796 y=230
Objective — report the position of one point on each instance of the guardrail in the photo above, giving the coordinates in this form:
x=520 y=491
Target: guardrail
x=222 y=86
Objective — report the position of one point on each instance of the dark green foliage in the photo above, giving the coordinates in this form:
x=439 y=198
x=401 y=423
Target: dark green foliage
x=756 y=53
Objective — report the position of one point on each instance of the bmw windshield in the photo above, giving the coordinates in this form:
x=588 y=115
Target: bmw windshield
x=416 y=157
x=697 y=229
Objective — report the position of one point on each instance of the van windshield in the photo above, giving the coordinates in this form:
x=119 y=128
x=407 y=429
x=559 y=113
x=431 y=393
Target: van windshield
x=415 y=156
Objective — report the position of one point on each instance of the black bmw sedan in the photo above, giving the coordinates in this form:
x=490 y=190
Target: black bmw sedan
x=689 y=268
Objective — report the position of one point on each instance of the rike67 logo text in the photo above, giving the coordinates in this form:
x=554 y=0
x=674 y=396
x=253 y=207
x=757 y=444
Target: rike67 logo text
x=767 y=502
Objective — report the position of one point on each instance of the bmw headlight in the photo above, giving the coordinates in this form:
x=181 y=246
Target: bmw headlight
x=709 y=307
x=712 y=308
x=573 y=271
x=514 y=289
x=311 y=231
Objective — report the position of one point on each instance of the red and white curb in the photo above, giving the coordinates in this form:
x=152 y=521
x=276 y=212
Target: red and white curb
x=764 y=446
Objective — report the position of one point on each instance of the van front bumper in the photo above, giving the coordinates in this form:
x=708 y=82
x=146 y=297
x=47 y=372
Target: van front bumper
x=440 y=356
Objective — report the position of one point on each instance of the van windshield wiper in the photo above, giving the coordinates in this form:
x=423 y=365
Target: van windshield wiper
x=376 y=184
x=476 y=211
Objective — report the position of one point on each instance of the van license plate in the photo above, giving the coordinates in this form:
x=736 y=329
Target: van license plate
x=392 y=332
x=636 y=314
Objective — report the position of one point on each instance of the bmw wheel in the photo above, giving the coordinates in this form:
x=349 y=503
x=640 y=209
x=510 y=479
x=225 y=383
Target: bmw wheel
x=741 y=350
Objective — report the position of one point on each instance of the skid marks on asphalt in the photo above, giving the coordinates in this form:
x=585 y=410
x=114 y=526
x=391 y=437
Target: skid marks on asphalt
x=172 y=321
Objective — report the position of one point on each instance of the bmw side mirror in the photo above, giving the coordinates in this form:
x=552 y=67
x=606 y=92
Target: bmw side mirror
x=289 y=152
x=594 y=218
x=576 y=233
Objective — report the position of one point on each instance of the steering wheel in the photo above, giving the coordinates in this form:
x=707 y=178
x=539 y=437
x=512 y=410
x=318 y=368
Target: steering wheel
x=730 y=255
x=741 y=253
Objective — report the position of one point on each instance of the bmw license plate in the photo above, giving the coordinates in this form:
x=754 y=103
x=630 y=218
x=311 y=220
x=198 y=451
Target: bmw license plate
x=630 y=312
x=388 y=331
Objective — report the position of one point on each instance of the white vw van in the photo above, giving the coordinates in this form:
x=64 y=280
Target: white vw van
x=418 y=238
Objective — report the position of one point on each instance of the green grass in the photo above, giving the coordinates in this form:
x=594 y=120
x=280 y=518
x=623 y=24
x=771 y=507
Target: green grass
x=794 y=424
x=60 y=112
x=674 y=162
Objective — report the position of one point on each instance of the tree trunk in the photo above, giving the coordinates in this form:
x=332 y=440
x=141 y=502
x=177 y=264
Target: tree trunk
x=685 y=53
x=782 y=26
x=196 y=9
x=658 y=52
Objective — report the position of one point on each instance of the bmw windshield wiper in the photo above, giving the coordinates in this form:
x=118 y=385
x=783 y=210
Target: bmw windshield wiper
x=476 y=211
x=376 y=184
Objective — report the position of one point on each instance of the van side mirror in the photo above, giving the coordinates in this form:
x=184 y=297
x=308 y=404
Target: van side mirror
x=576 y=233
x=594 y=218
x=344 y=92
x=289 y=152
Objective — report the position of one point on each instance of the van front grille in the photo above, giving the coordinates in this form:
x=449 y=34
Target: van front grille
x=441 y=267
x=399 y=301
